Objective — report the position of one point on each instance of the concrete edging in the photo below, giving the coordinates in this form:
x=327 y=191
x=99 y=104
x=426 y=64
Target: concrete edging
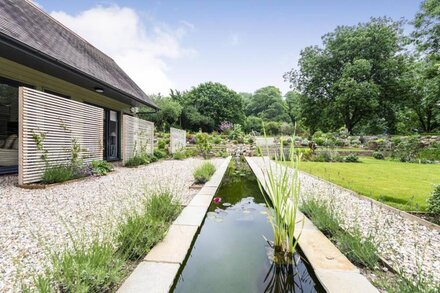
x=332 y=268
x=157 y=271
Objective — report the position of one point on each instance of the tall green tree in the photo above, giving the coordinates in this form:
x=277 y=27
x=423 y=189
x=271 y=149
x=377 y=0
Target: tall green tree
x=168 y=115
x=293 y=105
x=427 y=27
x=353 y=78
x=209 y=104
x=267 y=103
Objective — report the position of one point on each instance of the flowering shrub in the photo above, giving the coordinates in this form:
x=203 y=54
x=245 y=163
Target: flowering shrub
x=225 y=127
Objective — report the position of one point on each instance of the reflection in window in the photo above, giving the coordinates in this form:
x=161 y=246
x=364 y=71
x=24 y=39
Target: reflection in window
x=8 y=126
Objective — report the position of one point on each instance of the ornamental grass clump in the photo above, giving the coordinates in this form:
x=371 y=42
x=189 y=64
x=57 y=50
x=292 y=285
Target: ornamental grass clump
x=204 y=172
x=141 y=230
x=282 y=189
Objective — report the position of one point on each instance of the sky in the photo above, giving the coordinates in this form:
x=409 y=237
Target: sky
x=245 y=45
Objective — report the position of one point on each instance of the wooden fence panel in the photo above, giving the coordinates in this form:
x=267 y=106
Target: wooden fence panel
x=177 y=140
x=137 y=137
x=49 y=127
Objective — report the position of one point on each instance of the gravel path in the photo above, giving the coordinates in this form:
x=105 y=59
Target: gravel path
x=406 y=244
x=33 y=221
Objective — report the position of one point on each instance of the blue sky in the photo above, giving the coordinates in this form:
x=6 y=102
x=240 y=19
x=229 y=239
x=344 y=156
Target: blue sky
x=243 y=44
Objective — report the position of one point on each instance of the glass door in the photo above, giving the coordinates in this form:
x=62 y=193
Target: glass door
x=8 y=126
x=111 y=135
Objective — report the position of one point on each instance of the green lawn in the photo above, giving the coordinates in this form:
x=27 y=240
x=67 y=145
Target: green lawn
x=395 y=183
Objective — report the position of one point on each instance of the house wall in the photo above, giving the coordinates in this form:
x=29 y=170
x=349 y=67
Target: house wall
x=41 y=81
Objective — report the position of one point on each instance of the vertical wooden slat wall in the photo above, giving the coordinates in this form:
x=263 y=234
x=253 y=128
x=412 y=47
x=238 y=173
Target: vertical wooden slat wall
x=177 y=140
x=51 y=125
x=137 y=136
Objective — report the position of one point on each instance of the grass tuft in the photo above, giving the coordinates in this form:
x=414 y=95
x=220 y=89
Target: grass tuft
x=204 y=172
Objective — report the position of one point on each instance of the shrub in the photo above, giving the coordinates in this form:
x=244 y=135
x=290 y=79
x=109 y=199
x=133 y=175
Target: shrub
x=87 y=269
x=204 y=172
x=101 y=168
x=136 y=161
x=142 y=230
x=203 y=144
x=179 y=156
x=58 y=173
x=351 y=158
x=434 y=201
x=216 y=139
x=378 y=156
x=360 y=251
x=236 y=133
x=272 y=128
x=323 y=218
x=161 y=144
x=162 y=206
x=324 y=156
x=159 y=154
x=407 y=150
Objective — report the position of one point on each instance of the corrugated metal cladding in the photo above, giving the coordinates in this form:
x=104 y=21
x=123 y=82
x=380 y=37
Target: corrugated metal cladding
x=51 y=125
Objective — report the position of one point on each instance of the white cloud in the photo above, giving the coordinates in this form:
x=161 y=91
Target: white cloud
x=142 y=52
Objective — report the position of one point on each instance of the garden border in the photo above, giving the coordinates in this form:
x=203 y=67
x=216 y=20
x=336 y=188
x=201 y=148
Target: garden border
x=160 y=267
x=404 y=214
x=334 y=271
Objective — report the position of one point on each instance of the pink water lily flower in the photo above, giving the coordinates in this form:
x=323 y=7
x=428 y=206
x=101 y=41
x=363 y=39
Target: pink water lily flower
x=217 y=199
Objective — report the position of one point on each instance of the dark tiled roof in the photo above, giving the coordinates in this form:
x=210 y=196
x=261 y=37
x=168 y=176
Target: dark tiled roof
x=26 y=23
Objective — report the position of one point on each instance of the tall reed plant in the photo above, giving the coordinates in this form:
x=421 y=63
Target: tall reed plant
x=281 y=187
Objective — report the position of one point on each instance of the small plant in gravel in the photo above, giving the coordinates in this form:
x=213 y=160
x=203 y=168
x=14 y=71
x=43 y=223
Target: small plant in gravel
x=101 y=168
x=361 y=251
x=179 y=156
x=434 y=201
x=142 y=230
x=204 y=172
x=57 y=174
x=324 y=218
x=137 y=160
x=160 y=154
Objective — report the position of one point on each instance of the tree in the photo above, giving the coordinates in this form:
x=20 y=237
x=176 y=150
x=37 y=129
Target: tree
x=267 y=103
x=293 y=106
x=427 y=27
x=209 y=104
x=423 y=92
x=353 y=78
x=167 y=116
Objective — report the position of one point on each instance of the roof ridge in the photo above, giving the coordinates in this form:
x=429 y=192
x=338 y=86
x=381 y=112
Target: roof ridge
x=66 y=28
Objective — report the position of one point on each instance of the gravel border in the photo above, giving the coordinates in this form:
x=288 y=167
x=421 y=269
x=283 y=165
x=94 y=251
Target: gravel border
x=409 y=246
x=34 y=221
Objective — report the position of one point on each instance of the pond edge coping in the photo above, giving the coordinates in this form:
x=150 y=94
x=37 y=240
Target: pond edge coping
x=323 y=267
x=158 y=270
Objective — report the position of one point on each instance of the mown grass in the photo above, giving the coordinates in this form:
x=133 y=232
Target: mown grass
x=405 y=186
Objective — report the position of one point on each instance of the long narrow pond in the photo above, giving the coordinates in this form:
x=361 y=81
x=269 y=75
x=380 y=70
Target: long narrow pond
x=230 y=254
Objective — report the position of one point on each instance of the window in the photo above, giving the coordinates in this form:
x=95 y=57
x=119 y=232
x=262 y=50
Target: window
x=111 y=135
x=8 y=126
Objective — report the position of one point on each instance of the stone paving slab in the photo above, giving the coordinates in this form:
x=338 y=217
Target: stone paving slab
x=174 y=247
x=201 y=200
x=322 y=254
x=192 y=216
x=344 y=282
x=151 y=277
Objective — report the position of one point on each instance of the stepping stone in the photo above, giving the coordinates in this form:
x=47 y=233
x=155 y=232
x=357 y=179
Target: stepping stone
x=201 y=200
x=150 y=277
x=174 y=247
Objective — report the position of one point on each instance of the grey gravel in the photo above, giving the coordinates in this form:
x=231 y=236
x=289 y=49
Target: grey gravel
x=36 y=222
